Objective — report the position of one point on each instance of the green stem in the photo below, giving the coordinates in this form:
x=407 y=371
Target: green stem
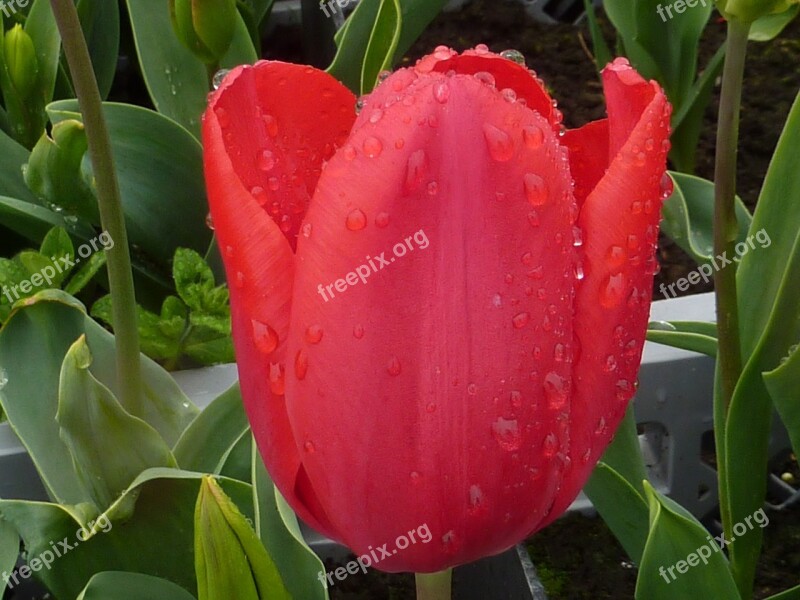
x=726 y=227
x=120 y=276
x=726 y=231
x=434 y=586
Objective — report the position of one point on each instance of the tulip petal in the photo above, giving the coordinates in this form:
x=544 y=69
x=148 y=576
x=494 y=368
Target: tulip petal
x=281 y=122
x=507 y=74
x=620 y=220
x=588 y=156
x=260 y=265
x=434 y=390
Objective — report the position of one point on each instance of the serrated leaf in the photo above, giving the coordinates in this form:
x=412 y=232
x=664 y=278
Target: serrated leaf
x=194 y=280
x=108 y=446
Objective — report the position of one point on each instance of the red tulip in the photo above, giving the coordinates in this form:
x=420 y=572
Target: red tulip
x=439 y=305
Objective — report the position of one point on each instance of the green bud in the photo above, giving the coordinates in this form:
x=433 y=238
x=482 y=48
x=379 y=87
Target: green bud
x=21 y=63
x=230 y=559
x=206 y=27
x=747 y=11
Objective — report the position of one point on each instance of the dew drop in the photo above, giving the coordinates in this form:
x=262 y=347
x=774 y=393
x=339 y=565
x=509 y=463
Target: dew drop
x=509 y=95
x=301 y=364
x=475 y=499
x=274 y=184
x=373 y=147
x=520 y=320
x=349 y=152
x=394 y=367
x=624 y=390
x=271 y=124
x=506 y=434
x=610 y=364
x=414 y=476
x=535 y=189
x=481 y=49
x=533 y=136
x=306 y=230
x=441 y=92
x=550 y=445
x=309 y=447
x=358 y=332
x=514 y=56
x=356 y=220
x=210 y=221
x=586 y=456
x=265 y=160
x=616 y=257
x=277 y=379
x=433 y=188
x=376 y=116
x=314 y=334
x=516 y=398
x=223 y=117
x=556 y=389
x=382 y=220
x=265 y=337
x=499 y=143
x=612 y=292
x=600 y=429
x=219 y=77
x=260 y=195
x=667 y=186
x=360 y=105
x=485 y=78
x=415 y=173
x=533 y=218
x=431 y=407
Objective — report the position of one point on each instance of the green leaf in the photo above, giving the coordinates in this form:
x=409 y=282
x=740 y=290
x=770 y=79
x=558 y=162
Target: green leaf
x=689 y=217
x=354 y=40
x=100 y=24
x=9 y=551
x=86 y=273
x=163 y=199
x=41 y=26
x=615 y=488
x=230 y=560
x=279 y=530
x=33 y=344
x=792 y=594
x=207 y=443
x=177 y=80
x=672 y=564
x=108 y=446
x=12 y=184
x=783 y=384
x=156 y=539
x=770 y=26
x=602 y=53
x=57 y=243
x=687 y=335
x=382 y=44
x=120 y=585
x=54 y=171
x=194 y=282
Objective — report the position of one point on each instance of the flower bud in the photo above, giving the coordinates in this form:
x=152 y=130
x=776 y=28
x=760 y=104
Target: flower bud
x=206 y=27
x=21 y=63
x=747 y=11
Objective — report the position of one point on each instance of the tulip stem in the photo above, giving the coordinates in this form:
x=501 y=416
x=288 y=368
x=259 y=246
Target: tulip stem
x=726 y=227
x=434 y=586
x=112 y=218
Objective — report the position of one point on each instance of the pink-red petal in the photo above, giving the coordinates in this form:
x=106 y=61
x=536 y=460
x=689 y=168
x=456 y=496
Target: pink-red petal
x=436 y=391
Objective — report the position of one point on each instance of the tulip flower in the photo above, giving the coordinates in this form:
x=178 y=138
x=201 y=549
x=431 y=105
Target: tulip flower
x=487 y=279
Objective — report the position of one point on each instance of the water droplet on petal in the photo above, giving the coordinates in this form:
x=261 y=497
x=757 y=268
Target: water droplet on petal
x=417 y=167
x=514 y=56
x=586 y=456
x=485 y=78
x=441 y=92
x=533 y=136
x=481 y=49
x=271 y=124
x=309 y=447
x=210 y=221
x=556 y=389
x=472 y=389
x=260 y=195
x=500 y=144
x=550 y=445
x=265 y=160
x=373 y=147
x=301 y=364
x=431 y=408
x=219 y=77
x=611 y=363
x=667 y=186
x=360 y=105
x=533 y=218
x=356 y=220
x=277 y=379
x=265 y=337
x=508 y=95
x=616 y=257
x=506 y=434
x=394 y=367
x=520 y=320
x=600 y=429
x=314 y=334
x=612 y=292
x=535 y=189
x=358 y=332
x=349 y=152
x=414 y=476
x=516 y=399
x=433 y=188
